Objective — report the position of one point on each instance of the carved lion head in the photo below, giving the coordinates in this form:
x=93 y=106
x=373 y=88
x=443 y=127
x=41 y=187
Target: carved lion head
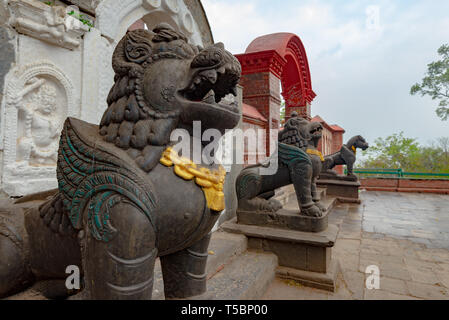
x=298 y=131
x=161 y=83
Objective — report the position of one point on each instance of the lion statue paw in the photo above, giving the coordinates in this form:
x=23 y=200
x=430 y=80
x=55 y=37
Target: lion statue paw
x=312 y=211
x=320 y=206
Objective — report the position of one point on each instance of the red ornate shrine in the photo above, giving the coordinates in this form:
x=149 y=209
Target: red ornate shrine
x=284 y=57
x=270 y=62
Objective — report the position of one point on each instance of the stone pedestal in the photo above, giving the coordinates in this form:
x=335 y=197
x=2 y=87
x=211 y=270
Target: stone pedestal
x=345 y=191
x=290 y=216
x=283 y=219
x=302 y=244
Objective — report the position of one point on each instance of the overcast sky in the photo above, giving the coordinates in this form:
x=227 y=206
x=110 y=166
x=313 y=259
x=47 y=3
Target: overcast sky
x=362 y=66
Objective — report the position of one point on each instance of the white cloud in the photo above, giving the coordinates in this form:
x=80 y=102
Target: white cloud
x=235 y=25
x=362 y=76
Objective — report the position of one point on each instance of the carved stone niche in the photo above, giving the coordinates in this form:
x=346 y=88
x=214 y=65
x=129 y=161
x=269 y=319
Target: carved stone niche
x=38 y=99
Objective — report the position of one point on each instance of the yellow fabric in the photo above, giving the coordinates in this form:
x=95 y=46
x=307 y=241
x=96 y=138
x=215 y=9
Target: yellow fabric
x=354 y=149
x=315 y=152
x=211 y=181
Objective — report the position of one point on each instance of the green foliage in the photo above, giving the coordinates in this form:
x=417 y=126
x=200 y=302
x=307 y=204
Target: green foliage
x=436 y=82
x=81 y=17
x=282 y=112
x=397 y=151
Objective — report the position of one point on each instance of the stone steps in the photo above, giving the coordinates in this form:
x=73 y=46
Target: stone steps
x=247 y=277
x=233 y=272
x=223 y=248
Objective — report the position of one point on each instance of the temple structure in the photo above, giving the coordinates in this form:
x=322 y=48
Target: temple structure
x=56 y=62
x=275 y=66
x=332 y=139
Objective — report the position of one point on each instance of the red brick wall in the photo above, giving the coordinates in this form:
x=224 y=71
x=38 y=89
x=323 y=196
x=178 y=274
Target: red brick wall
x=262 y=91
x=406 y=185
x=257 y=152
x=337 y=142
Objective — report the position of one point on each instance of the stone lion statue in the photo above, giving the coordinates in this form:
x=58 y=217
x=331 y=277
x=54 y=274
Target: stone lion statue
x=299 y=163
x=345 y=156
x=125 y=196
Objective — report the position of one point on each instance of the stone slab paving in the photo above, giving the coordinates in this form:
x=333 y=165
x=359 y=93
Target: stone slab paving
x=405 y=234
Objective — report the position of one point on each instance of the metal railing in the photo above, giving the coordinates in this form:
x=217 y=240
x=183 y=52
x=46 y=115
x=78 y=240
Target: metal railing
x=399 y=173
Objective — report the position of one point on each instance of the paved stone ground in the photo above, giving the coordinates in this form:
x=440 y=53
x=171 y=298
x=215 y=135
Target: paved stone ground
x=405 y=234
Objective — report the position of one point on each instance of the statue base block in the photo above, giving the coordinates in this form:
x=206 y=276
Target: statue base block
x=344 y=190
x=308 y=253
x=287 y=219
x=324 y=281
x=335 y=176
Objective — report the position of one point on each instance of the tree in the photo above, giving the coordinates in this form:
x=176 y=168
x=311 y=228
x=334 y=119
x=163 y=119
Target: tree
x=282 y=112
x=397 y=151
x=443 y=143
x=436 y=82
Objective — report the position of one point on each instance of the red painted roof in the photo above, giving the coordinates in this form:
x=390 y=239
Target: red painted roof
x=251 y=112
x=290 y=48
x=317 y=119
x=274 y=41
x=336 y=127
x=333 y=128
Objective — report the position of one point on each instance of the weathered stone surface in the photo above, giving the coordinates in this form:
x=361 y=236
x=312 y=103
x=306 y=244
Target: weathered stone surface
x=325 y=281
x=86 y=5
x=305 y=251
x=386 y=295
x=345 y=189
x=224 y=247
x=426 y=291
x=392 y=285
x=325 y=238
x=46 y=23
x=355 y=282
x=197 y=10
x=304 y=257
x=245 y=278
x=289 y=217
x=7 y=52
x=284 y=219
x=390 y=250
x=13 y=236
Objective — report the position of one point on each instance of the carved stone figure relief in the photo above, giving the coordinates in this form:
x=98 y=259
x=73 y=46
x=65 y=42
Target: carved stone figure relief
x=39 y=122
x=38 y=98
